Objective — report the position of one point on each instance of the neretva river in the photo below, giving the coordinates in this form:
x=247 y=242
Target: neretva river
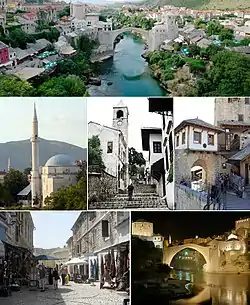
x=128 y=72
x=223 y=289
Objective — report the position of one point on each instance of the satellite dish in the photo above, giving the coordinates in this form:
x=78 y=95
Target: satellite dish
x=204 y=145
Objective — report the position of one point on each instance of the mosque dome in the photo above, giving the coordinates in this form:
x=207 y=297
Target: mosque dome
x=60 y=160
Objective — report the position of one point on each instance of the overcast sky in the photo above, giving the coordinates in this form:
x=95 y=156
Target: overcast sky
x=100 y=110
x=191 y=108
x=61 y=119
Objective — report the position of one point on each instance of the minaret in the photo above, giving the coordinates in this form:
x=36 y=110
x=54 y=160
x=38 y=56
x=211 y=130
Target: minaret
x=169 y=240
x=9 y=164
x=35 y=176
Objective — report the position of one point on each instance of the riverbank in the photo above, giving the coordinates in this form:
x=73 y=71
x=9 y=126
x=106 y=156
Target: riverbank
x=101 y=57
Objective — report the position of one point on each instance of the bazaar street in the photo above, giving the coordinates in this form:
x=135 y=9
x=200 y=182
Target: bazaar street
x=77 y=294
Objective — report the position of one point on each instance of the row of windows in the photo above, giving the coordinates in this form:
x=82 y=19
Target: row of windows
x=196 y=139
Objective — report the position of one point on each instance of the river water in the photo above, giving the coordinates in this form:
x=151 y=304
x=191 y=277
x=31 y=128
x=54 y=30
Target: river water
x=224 y=289
x=128 y=72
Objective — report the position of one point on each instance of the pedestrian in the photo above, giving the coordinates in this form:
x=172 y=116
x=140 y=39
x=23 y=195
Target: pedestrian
x=42 y=276
x=56 y=278
x=50 y=276
x=63 y=275
x=130 y=192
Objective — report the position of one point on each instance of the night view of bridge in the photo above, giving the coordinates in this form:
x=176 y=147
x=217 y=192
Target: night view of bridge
x=209 y=268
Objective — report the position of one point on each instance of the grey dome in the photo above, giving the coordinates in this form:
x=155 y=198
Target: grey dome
x=60 y=160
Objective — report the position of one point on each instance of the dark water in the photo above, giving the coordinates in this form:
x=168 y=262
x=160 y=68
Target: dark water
x=224 y=289
x=128 y=72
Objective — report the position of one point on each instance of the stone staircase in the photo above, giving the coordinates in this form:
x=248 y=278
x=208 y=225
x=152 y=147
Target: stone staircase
x=144 y=197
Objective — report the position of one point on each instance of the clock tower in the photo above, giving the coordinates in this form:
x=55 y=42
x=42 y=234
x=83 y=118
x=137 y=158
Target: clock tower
x=120 y=119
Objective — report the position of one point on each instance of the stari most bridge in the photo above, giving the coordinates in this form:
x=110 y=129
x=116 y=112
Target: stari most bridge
x=210 y=254
x=108 y=37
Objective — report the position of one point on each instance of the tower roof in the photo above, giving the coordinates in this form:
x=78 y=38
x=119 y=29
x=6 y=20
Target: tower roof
x=34 y=114
x=120 y=105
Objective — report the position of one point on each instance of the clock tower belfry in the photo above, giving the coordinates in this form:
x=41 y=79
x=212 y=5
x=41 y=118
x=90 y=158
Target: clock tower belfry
x=120 y=119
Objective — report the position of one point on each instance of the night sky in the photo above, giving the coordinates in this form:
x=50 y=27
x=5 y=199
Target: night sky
x=182 y=225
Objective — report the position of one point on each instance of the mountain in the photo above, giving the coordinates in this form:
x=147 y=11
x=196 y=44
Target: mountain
x=201 y=4
x=19 y=152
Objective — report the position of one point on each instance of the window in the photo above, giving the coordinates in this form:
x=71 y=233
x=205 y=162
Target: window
x=110 y=148
x=105 y=228
x=157 y=147
x=177 y=141
x=197 y=137
x=240 y=117
x=210 y=139
x=183 y=138
x=247 y=100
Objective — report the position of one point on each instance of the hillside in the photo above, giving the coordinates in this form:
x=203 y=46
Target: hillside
x=19 y=152
x=201 y=4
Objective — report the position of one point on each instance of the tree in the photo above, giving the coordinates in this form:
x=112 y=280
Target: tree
x=194 y=50
x=226 y=34
x=136 y=160
x=95 y=152
x=70 y=85
x=73 y=197
x=11 y=85
x=27 y=171
x=14 y=182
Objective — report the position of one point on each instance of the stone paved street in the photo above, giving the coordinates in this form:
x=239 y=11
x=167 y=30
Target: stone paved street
x=73 y=294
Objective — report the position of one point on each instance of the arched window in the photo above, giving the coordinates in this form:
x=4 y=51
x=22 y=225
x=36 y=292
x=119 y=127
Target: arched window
x=119 y=114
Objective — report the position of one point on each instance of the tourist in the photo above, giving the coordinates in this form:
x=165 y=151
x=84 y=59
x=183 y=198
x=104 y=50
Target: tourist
x=56 y=278
x=130 y=192
x=63 y=275
x=42 y=276
x=50 y=277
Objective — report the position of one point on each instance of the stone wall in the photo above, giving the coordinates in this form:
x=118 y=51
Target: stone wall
x=210 y=162
x=229 y=108
x=101 y=186
x=187 y=199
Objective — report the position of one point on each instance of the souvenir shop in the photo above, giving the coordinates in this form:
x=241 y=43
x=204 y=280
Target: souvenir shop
x=15 y=265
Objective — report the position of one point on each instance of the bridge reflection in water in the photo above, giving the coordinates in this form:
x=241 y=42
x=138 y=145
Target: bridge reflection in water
x=223 y=289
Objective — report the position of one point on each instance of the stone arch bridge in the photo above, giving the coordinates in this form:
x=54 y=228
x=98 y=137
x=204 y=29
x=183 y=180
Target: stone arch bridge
x=108 y=37
x=209 y=254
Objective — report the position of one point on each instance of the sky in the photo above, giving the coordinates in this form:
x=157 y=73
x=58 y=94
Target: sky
x=187 y=224
x=61 y=119
x=53 y=229
x=191 y=108
x=100 y=110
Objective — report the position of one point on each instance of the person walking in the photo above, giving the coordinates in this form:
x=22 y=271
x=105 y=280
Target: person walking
x=50 y=276
x=63 y=275
x=42 y=276
x=56 y=278
x=130 y=192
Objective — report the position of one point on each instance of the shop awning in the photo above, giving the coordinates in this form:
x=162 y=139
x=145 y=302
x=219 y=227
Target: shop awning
x=76 y=261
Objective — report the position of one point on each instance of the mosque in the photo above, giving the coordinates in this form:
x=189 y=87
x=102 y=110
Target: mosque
x=59 y=171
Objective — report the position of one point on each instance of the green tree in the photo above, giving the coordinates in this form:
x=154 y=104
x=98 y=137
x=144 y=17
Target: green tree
x=27 y=171
x=226 y=34
x=194 y=50
x=11 y=85
x=95 y=152
x=64 y=12
x=136 y=161
x=69 y=198
x=214 y=28
x=14 y=182
x=70 y=85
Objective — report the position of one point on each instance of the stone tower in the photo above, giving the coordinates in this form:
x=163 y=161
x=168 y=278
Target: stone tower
x=120 y=122
x=35 y=175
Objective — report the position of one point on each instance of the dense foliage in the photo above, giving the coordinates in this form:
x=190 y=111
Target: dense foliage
x=136 y=161
x=95 y=152
x=137 y=20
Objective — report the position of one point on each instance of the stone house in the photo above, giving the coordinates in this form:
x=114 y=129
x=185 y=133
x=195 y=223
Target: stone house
x=95 y=234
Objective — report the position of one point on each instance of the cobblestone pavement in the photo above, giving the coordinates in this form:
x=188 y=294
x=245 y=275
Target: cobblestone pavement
x=73 y=294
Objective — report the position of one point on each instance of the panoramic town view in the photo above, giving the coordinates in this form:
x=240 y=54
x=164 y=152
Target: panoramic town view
x=42 y=156
x=147 y=48
x=191 y=263
x=76 y=264
x=212 y=153
x=130 y=153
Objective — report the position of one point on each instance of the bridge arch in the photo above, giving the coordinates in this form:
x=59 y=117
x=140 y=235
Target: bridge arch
x=142 y=32
x=170 y=252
